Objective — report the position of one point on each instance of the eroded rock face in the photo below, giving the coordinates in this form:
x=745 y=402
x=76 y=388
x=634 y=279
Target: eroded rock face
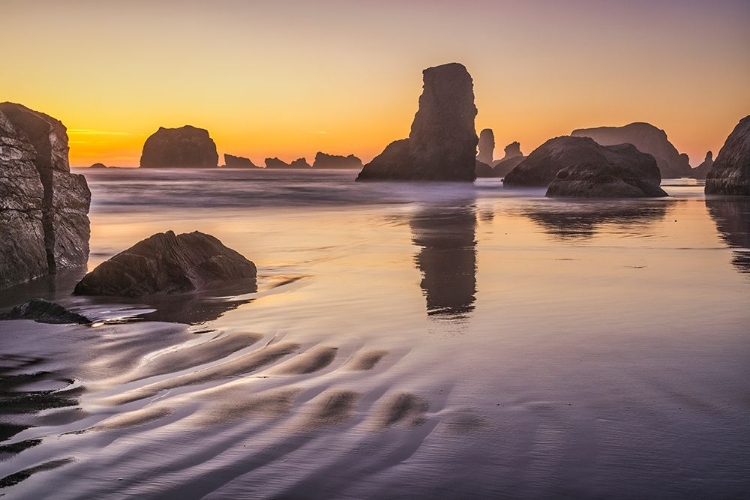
x=579 y=167
x=730 y=173
x=43 y=207
x=323 y=160
x=183 y=147
x=701 y=170
x=648 y=139
x=231 y=161
x=486 y=146
x=442 y=143
x=167 y=263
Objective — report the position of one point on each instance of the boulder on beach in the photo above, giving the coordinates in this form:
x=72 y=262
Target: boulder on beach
x=579 y=167
x=486 y=146
x=43 y=207
x=730 y=173
x=43 y=311
x=701 y=171
x=648 y=139
x=167 y=263
x=231 y=161
x=183 y=147
x=323 y=160
x=443 y=142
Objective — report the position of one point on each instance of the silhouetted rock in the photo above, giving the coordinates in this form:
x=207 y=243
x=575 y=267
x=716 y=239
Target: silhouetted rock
x=483 y=170
x=43 y=207
x=184 y=147
x=43 y=311
x=648 y=139
x=512 y=150
x=579 y=167
x=701 y=170
x=98 y=165
x=732 y=218
x=299 y=163
x=503 y=167
x=166 y=263
x=323 y=160
x=730 y=173
x=231 y=161
x=486 y=146
x=443 y=142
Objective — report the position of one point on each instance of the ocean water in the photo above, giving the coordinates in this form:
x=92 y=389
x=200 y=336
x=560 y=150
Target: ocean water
x=405 y=341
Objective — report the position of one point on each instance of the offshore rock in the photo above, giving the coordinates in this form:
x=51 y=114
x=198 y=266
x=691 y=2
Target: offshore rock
x=513 y=156
x=184 y=147
x=730 y=173
x=167 y=263
x=486 y=146
x=231 y=161
x=43 y=311
x=323 y=160
x=648 y=139
x=299 y=163
x=701 y=171
x=442 y=143
x=43 y=207
x=98 y=165
x=579 y=167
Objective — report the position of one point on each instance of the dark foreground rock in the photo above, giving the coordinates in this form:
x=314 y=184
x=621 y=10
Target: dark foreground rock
x=44 y=224
x=483 y=170
x=43 y=311
x=167 y=263
x=183 y=147
x=648 y=139
x=323 y=160
x=442 y=143
x=231 y=161
x=579 y=167
x=730 y=173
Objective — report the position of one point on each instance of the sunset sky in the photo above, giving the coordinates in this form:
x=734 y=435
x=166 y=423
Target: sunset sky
x=288 y=78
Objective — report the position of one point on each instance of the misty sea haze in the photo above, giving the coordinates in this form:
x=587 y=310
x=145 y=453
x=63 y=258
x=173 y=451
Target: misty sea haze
x=406 y=341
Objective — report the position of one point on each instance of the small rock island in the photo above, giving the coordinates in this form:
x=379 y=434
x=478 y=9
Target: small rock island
x=183 y=147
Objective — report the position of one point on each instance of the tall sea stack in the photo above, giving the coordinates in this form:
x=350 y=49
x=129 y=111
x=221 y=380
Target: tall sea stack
x=184 y=147
x=486 y=146
x=43 y=207
x=443 y=142
x=730 y=173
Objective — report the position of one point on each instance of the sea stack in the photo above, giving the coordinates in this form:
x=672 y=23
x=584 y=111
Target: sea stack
x=701 y=171
x=442 y=144
x=231 y=161
x=486 y=146
x=648 y=139
x=184 y=147
x=578 y=167
x=323 y=160
x=43 y=207
x=513 y=156
x=167 y=263
x=730 y=173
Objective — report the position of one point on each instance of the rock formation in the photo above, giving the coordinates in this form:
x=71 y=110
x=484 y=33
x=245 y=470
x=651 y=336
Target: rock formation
x=43 y=311
x=730 y=173
x=483 y=170
x=167 y=263
x=513 y=156
x=648 y=139
x=443 y=142
x=43 y=207
x=323 y=160
x=701 y=170
x=184 y=147
x=237 y=162
x=98 y=165
x=579 y=167
x=299 y=163
x=486 y=146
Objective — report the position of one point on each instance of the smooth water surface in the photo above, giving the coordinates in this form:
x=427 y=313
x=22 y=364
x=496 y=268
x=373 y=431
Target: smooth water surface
x=406 y=340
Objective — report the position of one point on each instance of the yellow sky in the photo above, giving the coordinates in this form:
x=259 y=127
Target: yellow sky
x=289 y=78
